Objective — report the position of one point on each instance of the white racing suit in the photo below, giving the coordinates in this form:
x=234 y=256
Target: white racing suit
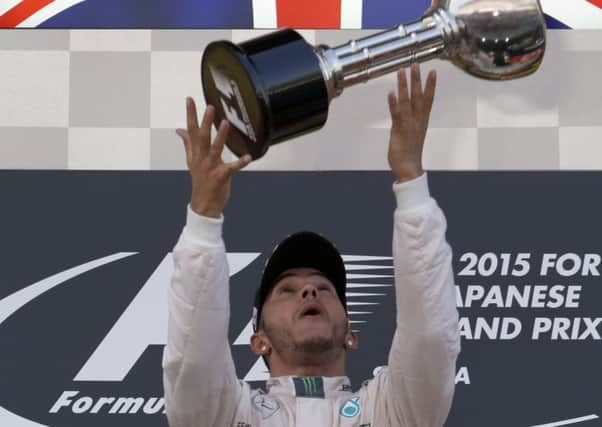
x=414 y=390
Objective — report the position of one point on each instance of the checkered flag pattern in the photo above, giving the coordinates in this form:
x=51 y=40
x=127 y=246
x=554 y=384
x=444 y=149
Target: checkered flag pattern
x=111 y=99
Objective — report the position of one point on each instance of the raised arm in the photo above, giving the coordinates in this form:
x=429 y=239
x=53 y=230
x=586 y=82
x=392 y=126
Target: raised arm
x=426 y=342
x=199 y=378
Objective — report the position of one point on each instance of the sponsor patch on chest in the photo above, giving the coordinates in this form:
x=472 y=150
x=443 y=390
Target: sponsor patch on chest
x=351 y=408
x=265 y=405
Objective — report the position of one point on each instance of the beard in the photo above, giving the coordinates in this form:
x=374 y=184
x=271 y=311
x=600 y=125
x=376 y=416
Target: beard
x=308 y=346
x=313 y=345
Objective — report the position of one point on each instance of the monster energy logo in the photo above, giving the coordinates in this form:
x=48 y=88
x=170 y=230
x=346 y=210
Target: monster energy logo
x=309 y=386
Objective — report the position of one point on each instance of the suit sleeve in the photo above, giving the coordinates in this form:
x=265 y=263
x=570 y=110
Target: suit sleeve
x=199 y=378
x=422 y=360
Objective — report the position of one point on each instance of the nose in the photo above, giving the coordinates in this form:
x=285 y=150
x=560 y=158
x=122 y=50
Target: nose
x=309 y=290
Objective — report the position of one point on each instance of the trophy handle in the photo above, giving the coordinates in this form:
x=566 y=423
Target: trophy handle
x=491 y=39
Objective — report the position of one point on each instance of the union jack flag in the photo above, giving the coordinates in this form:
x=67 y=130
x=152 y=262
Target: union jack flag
x=579 y=14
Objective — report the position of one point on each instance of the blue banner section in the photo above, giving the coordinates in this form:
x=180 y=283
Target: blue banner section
x=555 y=24
x=387 y=13
x=155 y=14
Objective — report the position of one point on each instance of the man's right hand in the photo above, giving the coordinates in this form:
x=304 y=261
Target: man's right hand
x=211 y=176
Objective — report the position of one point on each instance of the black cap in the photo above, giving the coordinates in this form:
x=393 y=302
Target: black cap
x=302 y=249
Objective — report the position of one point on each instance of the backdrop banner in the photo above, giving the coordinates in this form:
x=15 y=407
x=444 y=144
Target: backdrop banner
x=86 y=261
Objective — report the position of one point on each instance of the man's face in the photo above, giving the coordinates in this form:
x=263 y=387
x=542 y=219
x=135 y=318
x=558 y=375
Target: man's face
x=303 y=313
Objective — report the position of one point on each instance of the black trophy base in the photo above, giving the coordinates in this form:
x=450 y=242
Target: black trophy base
x=270 y=89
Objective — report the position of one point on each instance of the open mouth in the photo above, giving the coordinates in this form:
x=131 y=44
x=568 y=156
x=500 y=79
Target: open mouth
x=311 y=311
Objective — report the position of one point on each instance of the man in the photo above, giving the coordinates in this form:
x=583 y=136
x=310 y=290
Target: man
x=301 y=326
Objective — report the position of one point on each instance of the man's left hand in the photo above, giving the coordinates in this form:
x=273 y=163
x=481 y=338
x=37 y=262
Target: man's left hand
x=410 y=112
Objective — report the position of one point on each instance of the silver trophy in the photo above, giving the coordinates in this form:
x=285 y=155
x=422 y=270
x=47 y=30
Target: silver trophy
x=278 y=86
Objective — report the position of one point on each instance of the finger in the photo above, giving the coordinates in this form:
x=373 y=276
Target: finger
x=394 y=110
x=205 y=129
x=191 y=115
x=429 y=92
x=187 y=145
x=192 y=126
x=402 y=94
x=417 y=100
x=220 y=139
x=239 y=164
